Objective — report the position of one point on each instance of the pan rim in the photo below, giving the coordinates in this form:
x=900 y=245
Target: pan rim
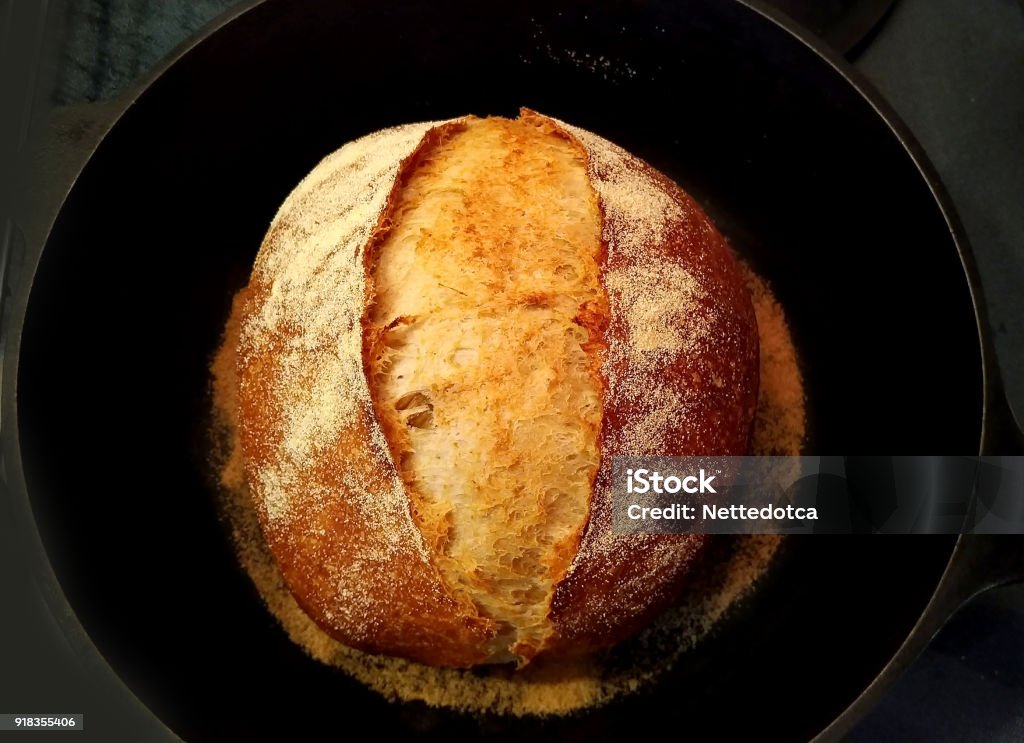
x=14 y=319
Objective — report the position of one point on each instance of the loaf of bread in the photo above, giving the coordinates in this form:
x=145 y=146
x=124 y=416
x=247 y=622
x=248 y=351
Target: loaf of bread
x=450 y=330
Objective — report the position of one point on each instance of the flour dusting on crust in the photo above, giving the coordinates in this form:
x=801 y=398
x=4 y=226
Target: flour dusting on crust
x=312 y=264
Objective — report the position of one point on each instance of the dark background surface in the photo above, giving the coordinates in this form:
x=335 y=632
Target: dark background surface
x=953 y=70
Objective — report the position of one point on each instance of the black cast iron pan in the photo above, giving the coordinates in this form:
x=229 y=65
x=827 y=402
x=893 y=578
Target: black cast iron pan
x=810 y=175
x=844 y=24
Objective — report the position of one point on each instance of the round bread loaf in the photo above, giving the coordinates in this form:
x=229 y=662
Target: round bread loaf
x=450 y=330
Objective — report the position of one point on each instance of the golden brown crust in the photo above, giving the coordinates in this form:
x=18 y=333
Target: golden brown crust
x=480 y=372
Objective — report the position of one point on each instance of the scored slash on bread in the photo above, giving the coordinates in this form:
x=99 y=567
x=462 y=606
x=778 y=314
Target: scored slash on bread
x=449 y=331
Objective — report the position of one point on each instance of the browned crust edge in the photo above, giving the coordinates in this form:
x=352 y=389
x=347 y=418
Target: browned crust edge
x=622 y=583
